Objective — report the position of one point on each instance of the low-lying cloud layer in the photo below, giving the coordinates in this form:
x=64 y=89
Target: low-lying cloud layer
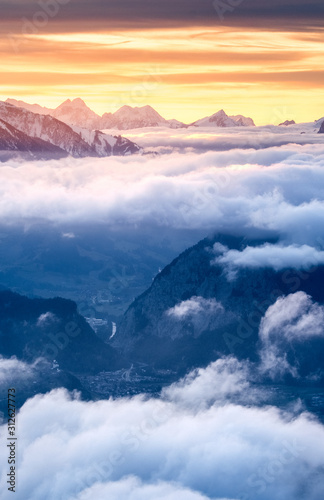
x=238 y=191
x=191 y=444
x=204 y=139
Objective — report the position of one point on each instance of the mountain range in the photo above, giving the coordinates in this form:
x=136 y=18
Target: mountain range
x=76 y=112
x=43 y=136
x=31 y=131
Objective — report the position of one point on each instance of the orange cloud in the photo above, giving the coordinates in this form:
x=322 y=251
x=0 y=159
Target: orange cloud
x=183 y=73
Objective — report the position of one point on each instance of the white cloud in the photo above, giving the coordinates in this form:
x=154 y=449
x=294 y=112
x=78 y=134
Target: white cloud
x=211 y=138
x=132 y=488
x=295 y=316
x=46 y=319
x=218 y=248
x=277 y=257
x=188 y=444
x=192 y=317
x=13 y=370
x=286 y=325
x=68 y=235
x=192 y=444
x=221 y=380
x=195 y=306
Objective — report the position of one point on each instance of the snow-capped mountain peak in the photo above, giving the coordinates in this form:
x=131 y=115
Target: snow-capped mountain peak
x=77 y=113
x=221 y=119
x=76 y=142
x=127 y=117
x=75 y=103
x=243 y=121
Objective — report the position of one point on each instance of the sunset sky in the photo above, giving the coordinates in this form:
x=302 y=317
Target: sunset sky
x=183 y=57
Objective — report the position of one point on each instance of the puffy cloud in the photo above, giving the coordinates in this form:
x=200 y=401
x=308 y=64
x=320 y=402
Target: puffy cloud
x=193 y=307
x=286 y=325
x=189 y=443
x=12 y=370
x=192 y=317
x=218 y=248
x=219 y=382
x=295 y=316
x=277 y=257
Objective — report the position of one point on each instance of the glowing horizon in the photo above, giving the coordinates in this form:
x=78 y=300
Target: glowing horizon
x=185 y=73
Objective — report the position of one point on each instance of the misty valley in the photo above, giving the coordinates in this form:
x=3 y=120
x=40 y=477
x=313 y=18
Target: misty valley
x=161 y=306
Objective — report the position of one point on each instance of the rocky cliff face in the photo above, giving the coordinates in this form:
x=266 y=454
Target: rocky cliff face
x=14 y=143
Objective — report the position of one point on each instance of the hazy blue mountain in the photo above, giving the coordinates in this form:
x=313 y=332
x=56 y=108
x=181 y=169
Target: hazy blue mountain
x=102 y=268
x=48 y=344
x=53 y=329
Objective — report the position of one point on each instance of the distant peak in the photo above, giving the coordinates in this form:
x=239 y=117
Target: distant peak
x=78 y=102
x=147 y=107
x=126 y=107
